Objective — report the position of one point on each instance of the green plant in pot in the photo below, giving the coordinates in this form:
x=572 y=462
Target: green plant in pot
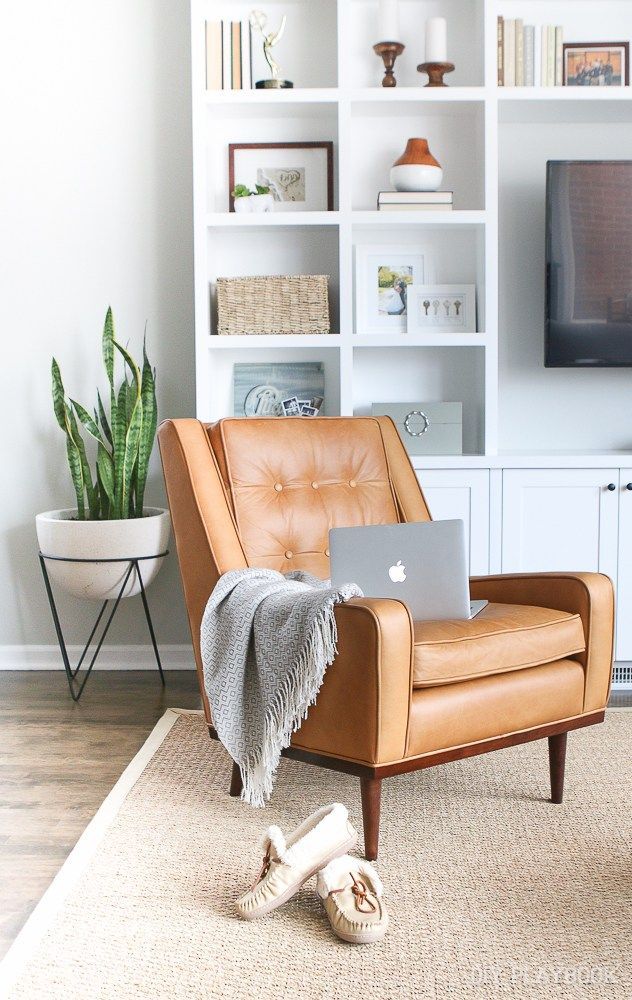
x=110 y=520
x=259 y=200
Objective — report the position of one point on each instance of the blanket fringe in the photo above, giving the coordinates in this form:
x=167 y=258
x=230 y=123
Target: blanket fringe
x=290 y=707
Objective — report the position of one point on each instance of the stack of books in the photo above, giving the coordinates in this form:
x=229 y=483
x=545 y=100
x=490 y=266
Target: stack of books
x=414 y=201
x=228 y=55
x=518 y=58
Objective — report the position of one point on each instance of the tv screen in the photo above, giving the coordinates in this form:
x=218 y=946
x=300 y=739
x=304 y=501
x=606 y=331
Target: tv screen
x=588 y=317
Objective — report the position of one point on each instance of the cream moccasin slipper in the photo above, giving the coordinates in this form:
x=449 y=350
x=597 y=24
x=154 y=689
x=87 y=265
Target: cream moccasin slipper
x=289 y=862
x=351 y=892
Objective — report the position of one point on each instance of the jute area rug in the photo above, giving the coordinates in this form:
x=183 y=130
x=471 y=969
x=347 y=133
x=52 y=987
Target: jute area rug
x=492 y=890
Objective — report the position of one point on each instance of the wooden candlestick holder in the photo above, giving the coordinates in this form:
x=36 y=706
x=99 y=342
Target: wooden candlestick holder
x=389 y=51
x=436 y=72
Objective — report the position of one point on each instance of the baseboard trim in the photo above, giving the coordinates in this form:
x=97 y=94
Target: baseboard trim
x=111 y=657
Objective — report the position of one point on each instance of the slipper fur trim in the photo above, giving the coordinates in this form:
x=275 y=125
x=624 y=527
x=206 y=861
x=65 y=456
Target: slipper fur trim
x=332 y=876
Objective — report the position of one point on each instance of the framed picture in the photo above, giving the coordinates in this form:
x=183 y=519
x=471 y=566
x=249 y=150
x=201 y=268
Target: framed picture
x=291 y=388
x=448 y=308
x=300 y=175
x=596 y=64
x=384 y=275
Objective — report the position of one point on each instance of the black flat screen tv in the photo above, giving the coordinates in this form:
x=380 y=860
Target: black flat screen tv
x=588 y=310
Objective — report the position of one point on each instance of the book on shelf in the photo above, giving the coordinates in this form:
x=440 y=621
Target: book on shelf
x=559 y=56
x=519 y=43
x=520 y=47
x=414 y=206
x=500 y=49
x=228 y=55
x=415 y=198
x=509 y=56
x=529 y=55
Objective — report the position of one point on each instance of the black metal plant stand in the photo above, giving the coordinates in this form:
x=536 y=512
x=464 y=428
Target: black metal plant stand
x=76 y=686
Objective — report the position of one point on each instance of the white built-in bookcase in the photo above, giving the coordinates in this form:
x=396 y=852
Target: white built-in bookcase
x=327 y=52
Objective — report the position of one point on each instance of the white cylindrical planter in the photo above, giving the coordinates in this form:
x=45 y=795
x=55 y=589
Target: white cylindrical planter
x=58 y=535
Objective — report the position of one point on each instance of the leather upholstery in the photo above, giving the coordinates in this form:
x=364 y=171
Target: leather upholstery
x=289 y=488
x=501 y=638
x=227 y=515
x=459 y=714
x=591 y=595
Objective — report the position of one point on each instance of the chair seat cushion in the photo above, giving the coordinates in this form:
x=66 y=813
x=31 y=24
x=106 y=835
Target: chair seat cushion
x=502 y=638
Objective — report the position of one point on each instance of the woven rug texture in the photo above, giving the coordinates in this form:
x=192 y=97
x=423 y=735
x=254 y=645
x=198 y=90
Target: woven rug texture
x=492 y=890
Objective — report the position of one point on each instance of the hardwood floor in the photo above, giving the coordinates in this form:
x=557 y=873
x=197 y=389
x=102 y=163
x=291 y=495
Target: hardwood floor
x=59 y=760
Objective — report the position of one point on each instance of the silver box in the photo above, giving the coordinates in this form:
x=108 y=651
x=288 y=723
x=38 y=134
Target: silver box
x=426 y=428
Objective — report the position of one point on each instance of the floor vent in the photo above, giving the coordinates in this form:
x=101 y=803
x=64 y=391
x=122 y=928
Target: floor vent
x=622 y=676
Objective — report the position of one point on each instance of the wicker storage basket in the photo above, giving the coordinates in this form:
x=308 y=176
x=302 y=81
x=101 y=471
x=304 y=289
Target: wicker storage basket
x=273 y=304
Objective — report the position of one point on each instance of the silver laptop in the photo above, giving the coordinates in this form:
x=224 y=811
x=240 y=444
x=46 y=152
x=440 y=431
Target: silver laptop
x=422 y=564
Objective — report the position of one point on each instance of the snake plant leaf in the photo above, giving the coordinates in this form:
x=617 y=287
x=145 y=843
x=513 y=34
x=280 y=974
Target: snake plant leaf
x=148 y=429
x=88 y=422
x=130 y=457
x=105 y=426
x=91 y=492
x=74 y=463
x=59 y=394
x=108 y=346
x=105 y=473
x=119 y=431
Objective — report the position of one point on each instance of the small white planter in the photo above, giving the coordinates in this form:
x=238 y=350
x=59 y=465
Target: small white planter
x=254 y=203
x=59 y=535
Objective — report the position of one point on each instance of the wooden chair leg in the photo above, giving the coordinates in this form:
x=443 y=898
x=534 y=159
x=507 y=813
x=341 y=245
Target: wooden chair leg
x=235 y=781
x=557 y=761
x=371 y=791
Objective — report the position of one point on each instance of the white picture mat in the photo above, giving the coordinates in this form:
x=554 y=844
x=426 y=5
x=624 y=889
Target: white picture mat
x=369 y=258
x=312 y=160
x=448 y=317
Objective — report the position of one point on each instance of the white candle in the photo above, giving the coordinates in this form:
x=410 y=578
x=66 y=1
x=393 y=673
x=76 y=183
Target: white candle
x=388 y=21
x=436 y=40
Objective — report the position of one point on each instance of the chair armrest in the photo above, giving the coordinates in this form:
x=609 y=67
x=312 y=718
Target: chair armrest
x=363 y=706
x=590 y=595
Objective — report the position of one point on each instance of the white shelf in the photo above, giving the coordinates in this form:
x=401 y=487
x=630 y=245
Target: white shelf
x=294 y=95
x=420 y=94
x=217 y=220
x=459 y=218
x=268 y=340
x=426 y=340
x=605 y=95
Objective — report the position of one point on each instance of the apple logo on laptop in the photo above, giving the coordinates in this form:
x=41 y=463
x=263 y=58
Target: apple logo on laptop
x=397 y=572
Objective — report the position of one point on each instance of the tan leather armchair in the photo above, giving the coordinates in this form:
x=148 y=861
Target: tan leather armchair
x=401 y=695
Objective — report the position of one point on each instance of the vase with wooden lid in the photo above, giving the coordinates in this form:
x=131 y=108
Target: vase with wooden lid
x=416 y=169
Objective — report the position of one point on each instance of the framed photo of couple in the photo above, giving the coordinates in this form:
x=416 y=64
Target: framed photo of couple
x=384 y=275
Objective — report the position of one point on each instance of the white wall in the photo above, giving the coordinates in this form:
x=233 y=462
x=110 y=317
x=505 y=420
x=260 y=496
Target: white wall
x=549 y=408
x=95 y=208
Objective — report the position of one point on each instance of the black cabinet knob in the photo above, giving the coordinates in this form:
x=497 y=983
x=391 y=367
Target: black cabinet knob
x=629 y=486
x=612 y=487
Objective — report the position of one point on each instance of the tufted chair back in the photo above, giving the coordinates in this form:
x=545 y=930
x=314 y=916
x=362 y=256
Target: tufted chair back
x=266 y=491
x=289 y=481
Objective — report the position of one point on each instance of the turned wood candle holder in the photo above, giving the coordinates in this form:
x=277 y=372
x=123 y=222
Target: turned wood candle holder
x=389 y=51
x=436 y=72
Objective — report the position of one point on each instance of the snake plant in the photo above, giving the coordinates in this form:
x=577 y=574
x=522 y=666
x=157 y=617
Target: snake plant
x=124 y=440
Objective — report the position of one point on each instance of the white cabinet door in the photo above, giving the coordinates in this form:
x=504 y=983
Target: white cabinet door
x=560 y=519
x=463 y=494
x=624 y=575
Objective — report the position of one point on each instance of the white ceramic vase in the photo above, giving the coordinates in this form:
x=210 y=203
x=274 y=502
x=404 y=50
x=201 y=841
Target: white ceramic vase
x=59 y=535
x=416 y=169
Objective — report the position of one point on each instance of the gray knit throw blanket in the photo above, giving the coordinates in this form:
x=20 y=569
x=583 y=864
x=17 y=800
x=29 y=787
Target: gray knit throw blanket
x=266 y=641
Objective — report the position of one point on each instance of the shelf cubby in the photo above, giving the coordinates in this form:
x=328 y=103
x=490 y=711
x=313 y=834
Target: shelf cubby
x=259 y=250
x=217 y=398
x=455 y=133
x=424 y=374
x=362 y=68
